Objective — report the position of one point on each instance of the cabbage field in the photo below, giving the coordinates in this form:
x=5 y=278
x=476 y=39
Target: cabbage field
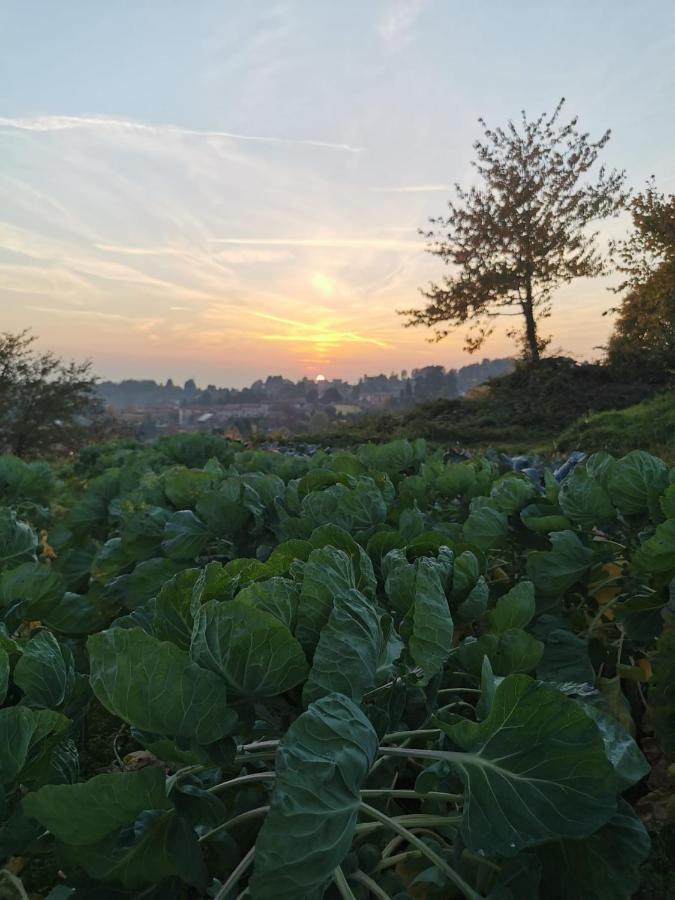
x=382 y=673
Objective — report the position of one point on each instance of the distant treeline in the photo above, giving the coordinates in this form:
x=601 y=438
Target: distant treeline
x=426 y=383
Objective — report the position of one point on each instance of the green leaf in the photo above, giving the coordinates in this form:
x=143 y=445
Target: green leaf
x=168 y=847
x=465 y=574
x=278 y=596
x=539 y=761
x=662 y=689
x=327 y=574
x=428 y=627
x=515 y=609
x=156 y=687
x=476 y=603
x=511 y=652
x=512 y=492
x=81 y=814
x=35 y=584
x=322 y=761
x=634 y=479
x=554 y=571
x=656 y=555
x=185 y=536
x=600 y=466
x=603 y=866
x=4 y=674
x=172 y=619
x=542 y=518
x=45 y=671
x=183 y=486
x=142 y=530
x=333 y=536
x=283 y=555
x=250 y=649
x=18 y=541
x=584 y=500
x=667 y=502
x=90 y=512
x=27 y=734
x=565 y=659
x=518 y=652
x=72 y=614
x=630 y=765
x=356 y=509
x=347 y=655
x=111 y=559
x=486 y=527
x=148 y=577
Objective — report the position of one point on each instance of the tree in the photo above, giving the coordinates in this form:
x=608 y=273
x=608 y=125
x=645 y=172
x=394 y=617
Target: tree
x=45 y=403
x=521 y=231
x=644 y=332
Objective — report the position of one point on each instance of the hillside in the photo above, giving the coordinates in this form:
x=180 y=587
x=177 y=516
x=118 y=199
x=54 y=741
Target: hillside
x=559 y=404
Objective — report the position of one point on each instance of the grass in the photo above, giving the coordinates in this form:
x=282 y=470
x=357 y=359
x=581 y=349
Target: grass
x=460 y=424
x=649 y=425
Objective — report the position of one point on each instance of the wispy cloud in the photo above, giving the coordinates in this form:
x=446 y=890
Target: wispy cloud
x=70 y=123
x=396 y=25
x=93 y=314
x=326 y=334
x=413 y=189
x=352 y=243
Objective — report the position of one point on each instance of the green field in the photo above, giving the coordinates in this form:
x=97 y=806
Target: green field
x=372 y=673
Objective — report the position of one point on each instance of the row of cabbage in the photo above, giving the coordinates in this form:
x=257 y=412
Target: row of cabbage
x=380 y=673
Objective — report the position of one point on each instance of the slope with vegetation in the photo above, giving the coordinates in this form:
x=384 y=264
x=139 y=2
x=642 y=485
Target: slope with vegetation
x=369 y=674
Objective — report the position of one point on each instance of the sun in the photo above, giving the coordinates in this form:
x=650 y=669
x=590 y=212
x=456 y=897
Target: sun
x=320 y=378
x=324 y=284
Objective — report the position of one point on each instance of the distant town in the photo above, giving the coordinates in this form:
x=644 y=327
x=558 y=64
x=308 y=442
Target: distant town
x=279 y=405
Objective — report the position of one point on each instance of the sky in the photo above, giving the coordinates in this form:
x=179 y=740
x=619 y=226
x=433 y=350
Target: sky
x=226 y=190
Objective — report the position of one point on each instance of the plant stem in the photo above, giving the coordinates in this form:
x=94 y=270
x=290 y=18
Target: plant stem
x=242 y=779
x=394 y=860
x=372 y=886
x=260 y=745
x=412 y=752
x=414 y=820
x=235 y=875
x=237 y=820
x=244 y=758
x=341 y=884
x=459 y=690
x=399 y=735
x=419 y=844
x=600 y=613
x=413 y=795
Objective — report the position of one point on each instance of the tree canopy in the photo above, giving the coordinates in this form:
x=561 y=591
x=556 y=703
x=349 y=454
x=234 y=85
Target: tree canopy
x=644 y=331
x=45 y=403
x=521 y=231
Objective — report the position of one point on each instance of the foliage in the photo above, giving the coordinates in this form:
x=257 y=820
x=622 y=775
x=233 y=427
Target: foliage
x=357 y=674
x=43 y=400
x=644 y=331
x=522 y=231
x=531 y=405
x=649 y=424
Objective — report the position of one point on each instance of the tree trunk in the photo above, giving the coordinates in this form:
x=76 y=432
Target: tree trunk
x=530 y=323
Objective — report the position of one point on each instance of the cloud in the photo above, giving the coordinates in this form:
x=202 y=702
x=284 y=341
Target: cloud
x=227 y=256
x=413 y=189
x=51 y=123
x=321 y=334
x=398 y=22
x=94 y=314
x=352 y=243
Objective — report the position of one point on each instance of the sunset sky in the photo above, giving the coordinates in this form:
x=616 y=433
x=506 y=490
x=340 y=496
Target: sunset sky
x=226 y=190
